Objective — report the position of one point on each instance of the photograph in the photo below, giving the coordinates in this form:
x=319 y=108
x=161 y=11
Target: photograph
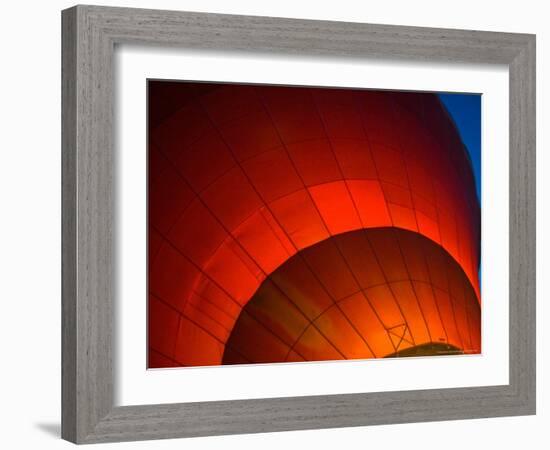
x=296 y=223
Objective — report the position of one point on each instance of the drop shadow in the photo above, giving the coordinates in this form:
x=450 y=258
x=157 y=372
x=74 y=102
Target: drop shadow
x=53 y=429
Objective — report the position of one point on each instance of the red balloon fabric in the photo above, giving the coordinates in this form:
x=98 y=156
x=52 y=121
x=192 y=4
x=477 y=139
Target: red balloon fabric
x=369 y=293
x=244 y=180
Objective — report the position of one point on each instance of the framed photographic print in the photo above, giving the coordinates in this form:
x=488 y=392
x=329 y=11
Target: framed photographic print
x=278 y=224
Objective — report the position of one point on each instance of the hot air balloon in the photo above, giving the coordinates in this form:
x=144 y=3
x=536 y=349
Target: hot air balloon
x=294 y=224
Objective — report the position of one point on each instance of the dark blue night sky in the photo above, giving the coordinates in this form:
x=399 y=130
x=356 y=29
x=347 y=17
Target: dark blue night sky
x=465 y=109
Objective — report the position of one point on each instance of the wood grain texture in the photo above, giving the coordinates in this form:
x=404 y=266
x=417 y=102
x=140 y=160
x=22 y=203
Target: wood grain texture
x=68 y=225
x=89 y=36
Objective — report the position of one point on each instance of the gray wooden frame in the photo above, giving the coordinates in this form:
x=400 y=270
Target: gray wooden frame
x=89 y=36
